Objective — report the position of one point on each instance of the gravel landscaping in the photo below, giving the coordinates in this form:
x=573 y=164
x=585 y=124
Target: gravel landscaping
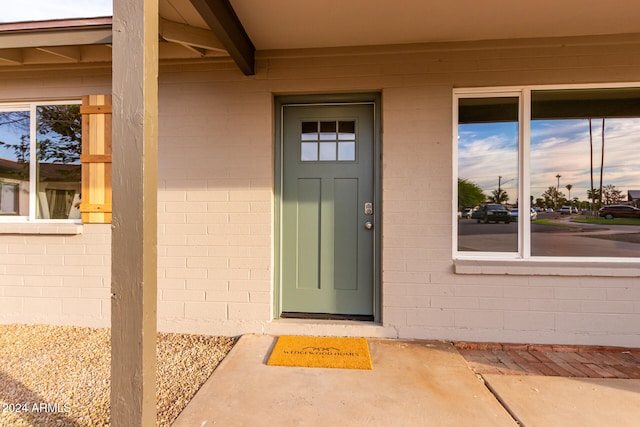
x=60 y=375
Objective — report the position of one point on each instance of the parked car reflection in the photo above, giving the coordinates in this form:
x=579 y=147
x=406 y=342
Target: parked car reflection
x=619 y=211
x=514 y=214
x=492 y=212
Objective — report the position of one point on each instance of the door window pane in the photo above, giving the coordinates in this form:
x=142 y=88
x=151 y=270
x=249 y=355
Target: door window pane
x=347 y=151
x=309 y=151
x=337 y=141
x=328 y=151
x=328 y=131
x=309 y=131
x=488 y=144
x=347 y=131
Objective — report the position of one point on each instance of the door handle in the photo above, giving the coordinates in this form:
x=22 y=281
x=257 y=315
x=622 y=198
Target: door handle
x=368 y=225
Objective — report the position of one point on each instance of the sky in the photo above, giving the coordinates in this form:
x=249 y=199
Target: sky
x=37 y=10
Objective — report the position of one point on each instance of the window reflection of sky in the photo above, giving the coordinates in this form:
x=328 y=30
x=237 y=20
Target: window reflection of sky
x=489 y=150
x=562 y=147
x=10 y=135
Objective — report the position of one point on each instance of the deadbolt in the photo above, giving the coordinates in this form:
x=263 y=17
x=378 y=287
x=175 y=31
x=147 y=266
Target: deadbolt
x=368 y=225
x=368 y=208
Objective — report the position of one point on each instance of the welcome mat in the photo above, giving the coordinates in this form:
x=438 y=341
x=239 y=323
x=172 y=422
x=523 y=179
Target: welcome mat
x=321 y=352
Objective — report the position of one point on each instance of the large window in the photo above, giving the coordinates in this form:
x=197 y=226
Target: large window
x=40 y=171
x=548 y=173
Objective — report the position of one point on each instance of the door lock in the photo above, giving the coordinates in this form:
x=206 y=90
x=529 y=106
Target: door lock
x=368 y=208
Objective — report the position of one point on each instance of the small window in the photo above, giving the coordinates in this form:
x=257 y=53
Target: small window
x=328 y=141
x=40 y=170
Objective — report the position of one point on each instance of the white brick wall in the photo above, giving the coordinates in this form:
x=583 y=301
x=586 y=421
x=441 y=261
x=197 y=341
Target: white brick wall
x=57 y=279
x=214 y=204
x=216 y=200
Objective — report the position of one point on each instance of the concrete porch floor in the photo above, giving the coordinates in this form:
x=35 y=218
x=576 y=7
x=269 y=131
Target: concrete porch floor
x=413 y=383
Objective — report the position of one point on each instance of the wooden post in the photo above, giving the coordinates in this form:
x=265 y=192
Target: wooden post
x=134 y=223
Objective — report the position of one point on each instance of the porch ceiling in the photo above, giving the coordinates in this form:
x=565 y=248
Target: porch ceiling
x=295 y=24
x=291 y=24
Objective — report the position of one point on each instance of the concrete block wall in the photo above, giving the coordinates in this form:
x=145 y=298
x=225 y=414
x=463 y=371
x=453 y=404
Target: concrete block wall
x=46 y=274
x=56 y=279
x=216 y=194
x=214 y=203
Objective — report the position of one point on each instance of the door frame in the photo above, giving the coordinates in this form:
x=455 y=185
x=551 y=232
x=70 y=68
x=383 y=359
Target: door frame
x=319 y=100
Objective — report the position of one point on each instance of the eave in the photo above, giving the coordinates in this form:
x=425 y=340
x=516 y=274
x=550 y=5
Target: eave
x=67 y=32
x=89 y=41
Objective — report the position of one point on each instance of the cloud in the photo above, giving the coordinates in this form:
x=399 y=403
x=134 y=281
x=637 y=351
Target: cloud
x=37 y=10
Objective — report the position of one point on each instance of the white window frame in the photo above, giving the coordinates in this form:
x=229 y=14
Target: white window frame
x=522 y=262
x=32 y=106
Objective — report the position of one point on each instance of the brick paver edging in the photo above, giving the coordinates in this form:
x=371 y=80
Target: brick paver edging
x=553 y=360
x=541 y=347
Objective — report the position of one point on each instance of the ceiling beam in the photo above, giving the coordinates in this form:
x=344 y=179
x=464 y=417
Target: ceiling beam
x=12 y=56
x=71 y=53
x=223 y=21
x=189 y=36
x=197 y=50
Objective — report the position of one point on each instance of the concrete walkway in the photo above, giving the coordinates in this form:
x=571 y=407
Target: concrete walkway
x=570 y=402
x=413 y=383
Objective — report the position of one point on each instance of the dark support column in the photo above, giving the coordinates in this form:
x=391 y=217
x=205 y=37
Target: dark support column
x=134 y=235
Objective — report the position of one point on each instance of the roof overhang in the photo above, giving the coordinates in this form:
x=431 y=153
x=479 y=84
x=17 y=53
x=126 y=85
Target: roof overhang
x=64 y=32
x=89 y=40
x=193 y=29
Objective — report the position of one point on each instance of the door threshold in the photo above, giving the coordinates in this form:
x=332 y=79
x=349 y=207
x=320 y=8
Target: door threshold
x=326 y=316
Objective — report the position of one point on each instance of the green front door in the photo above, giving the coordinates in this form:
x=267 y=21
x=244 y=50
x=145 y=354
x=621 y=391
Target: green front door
x=327 y=212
